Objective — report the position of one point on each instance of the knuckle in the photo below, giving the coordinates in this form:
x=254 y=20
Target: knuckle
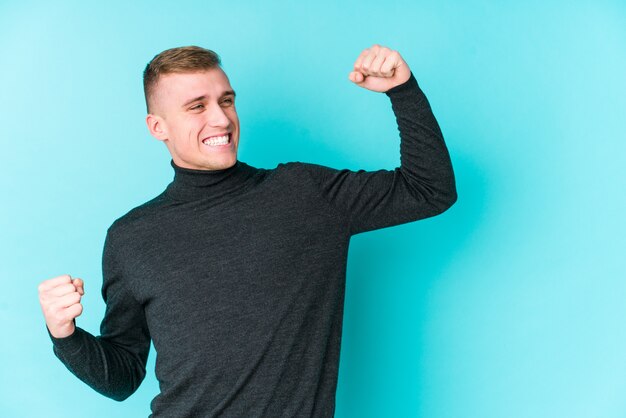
x=64 y=278
x=64 y=289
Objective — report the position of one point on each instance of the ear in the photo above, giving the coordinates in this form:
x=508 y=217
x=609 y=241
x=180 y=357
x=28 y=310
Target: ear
x=156 y=126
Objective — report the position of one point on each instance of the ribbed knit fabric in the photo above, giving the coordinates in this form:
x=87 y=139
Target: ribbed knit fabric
x=238 y=277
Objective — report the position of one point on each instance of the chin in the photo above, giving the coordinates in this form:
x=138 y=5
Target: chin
x=226 y=163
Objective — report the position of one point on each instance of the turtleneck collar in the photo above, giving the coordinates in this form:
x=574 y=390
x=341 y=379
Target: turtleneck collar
x=193 y=184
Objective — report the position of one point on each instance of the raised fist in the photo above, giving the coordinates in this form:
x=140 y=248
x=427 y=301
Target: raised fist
x=60 y=302
x=379 y=68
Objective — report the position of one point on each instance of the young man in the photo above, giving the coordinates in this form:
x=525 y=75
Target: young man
x=237 y=273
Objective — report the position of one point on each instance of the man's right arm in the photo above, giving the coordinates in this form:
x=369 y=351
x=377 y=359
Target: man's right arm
x=114 y=362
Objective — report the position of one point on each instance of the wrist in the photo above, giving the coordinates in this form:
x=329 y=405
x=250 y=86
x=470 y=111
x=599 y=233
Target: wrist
x=63 y=331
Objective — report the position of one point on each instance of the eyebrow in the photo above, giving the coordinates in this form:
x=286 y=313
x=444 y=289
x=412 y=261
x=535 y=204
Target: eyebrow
x=204 y=97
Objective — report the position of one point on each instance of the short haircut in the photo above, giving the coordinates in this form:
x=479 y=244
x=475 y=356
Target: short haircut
x=184 y=59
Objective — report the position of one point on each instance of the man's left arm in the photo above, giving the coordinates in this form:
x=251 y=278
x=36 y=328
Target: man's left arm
x=423 y=185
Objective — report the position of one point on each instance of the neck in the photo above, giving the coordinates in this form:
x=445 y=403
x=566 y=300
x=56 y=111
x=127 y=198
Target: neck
x=194 y=184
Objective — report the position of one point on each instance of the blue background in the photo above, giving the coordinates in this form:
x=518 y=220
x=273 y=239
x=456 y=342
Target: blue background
x=511 y=304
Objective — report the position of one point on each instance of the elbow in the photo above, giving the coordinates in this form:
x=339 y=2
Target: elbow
x=117 y=393
x=451 y=198
x=120 y=386
x=445 y=199
x=120 y=396
x=122 y=391
x=127 y=388
x=438 y=193
x=449 y=194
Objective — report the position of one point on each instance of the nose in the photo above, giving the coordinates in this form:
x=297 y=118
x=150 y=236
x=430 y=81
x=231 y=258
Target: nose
x=217 y=117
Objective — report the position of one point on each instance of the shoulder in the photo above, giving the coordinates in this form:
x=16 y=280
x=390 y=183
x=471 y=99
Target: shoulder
x=300 y=168
x=301 y=172
x=298 y=177
x=137 y=215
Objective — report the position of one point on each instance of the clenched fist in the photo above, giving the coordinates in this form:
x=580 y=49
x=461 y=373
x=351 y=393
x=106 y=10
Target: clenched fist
x=379 y=68
x=60 y=302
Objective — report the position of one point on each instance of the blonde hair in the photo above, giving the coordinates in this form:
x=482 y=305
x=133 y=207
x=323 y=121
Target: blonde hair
x=184 y=59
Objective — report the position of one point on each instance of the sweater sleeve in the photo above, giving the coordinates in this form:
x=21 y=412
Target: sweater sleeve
x=422 y=186
x=113 y=363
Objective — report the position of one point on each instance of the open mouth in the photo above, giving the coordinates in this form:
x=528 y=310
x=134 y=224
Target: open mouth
x=217 y=141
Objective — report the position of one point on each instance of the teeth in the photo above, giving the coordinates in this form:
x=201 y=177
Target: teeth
x=217 y=140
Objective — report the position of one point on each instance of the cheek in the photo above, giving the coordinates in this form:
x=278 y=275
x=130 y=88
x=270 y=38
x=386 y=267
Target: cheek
x=234 y=119
x=191 y=127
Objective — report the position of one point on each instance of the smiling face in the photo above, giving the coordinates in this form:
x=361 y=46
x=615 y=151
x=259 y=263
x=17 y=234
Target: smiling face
x=194 y=115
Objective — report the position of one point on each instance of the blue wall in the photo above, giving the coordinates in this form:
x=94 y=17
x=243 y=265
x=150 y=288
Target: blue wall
x=511 y=304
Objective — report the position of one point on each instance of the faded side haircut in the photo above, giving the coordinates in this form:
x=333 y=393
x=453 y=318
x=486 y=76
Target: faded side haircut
x=184 y=59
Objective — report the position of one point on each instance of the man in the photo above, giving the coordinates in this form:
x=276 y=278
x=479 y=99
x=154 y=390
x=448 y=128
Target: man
x=237 y=273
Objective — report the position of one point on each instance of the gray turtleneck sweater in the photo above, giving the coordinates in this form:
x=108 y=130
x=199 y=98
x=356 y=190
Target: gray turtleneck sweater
x=238 y=276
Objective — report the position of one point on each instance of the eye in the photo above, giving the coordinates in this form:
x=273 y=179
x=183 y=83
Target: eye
x=228 y=101
x=198 y=106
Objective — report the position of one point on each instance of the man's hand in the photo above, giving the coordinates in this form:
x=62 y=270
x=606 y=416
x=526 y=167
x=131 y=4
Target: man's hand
x=379 y=68
x=60 y=302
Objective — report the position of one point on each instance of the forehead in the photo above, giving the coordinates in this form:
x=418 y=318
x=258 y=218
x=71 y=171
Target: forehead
x=181 y=86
